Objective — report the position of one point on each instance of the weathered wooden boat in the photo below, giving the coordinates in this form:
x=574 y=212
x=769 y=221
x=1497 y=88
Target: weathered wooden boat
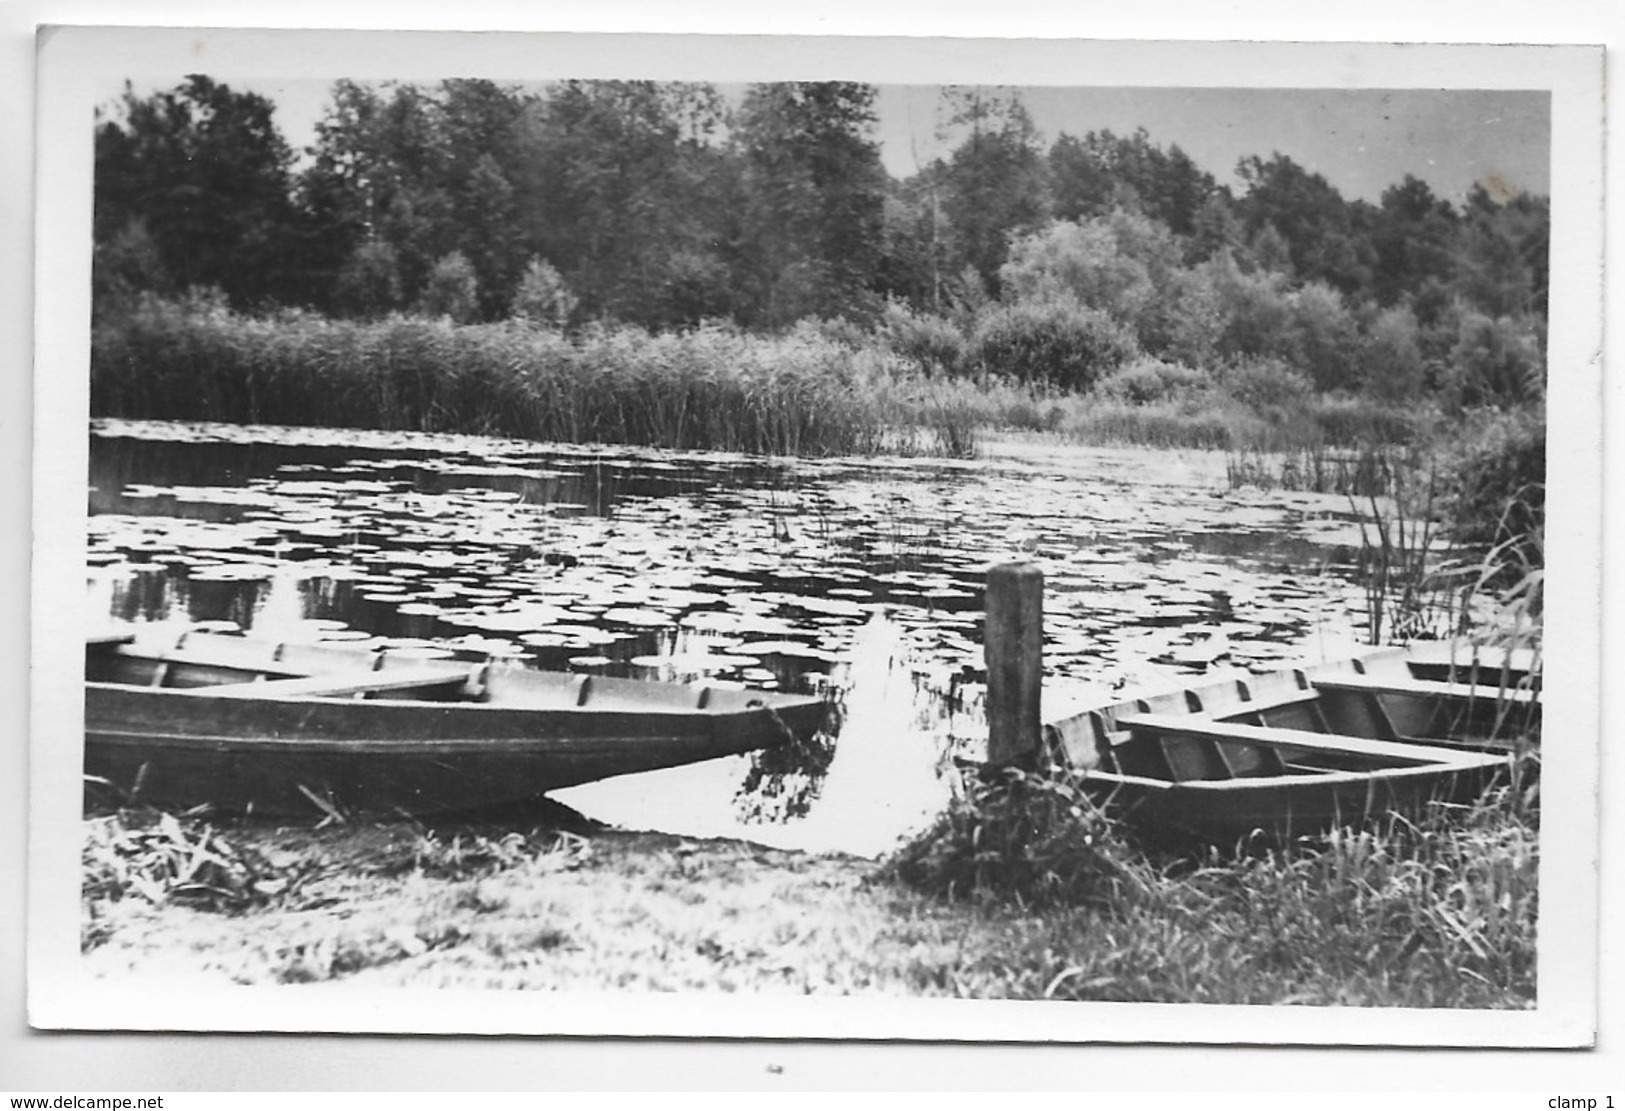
x=1437 y=692
x=1302 y=751
x=249 y=725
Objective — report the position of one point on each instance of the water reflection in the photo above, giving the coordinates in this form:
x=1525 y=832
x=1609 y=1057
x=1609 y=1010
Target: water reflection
x=859 y=578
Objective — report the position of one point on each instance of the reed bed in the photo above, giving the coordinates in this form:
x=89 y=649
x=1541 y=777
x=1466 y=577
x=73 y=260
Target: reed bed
x=1217 y=424
x=815 y=390
x=1363 y=472
x=713 y=388
x=1321 y=428
x=1425 y=575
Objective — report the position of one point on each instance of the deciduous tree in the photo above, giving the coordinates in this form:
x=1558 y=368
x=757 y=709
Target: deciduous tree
x=814 y=192
x=994 y=184
x=201 y=175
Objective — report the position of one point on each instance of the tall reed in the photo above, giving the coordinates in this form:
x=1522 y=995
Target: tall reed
x=816 y=390
x=711 y=388
x=1319 y=468
x=1408 y=592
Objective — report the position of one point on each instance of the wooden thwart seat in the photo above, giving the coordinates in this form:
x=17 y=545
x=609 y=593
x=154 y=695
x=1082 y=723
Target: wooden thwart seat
x=1427 y=688
x=341 y=684
x=1388 y=752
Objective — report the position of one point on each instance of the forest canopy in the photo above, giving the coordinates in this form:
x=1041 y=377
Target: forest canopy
x=665 y=206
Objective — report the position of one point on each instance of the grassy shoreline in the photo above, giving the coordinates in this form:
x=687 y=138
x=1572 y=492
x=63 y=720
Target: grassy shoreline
x=812 y=391
x=1448 y=922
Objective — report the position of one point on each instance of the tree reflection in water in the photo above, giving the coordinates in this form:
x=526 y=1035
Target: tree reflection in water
x=784 y=781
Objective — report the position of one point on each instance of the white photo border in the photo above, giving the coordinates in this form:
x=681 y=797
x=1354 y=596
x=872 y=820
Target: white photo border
x=79 y=66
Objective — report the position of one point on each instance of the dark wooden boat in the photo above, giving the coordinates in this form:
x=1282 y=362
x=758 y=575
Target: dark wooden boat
x=1306 y=750
x=1437 y=692
x=248 y=725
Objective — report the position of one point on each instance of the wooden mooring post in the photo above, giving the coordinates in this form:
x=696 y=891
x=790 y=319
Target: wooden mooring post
x=1013 y=645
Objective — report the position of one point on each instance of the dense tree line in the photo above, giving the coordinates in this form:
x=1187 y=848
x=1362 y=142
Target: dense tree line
x=662 y=205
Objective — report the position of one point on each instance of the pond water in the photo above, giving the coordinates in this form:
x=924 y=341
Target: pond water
x=862 y=578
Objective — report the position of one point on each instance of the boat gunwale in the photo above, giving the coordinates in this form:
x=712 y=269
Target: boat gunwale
x=690 y=698
x=494 y=746
x=1330 y=778
x=1415 y=753
x=760 y=701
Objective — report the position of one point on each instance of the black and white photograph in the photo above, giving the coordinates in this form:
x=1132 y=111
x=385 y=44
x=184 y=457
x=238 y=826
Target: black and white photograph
x=623 y=536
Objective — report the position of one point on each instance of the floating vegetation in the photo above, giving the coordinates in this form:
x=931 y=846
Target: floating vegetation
x=720 y=567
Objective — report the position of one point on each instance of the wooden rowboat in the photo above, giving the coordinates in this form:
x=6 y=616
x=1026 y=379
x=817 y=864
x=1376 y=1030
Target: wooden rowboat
x=247 y=725
x=1306 y=750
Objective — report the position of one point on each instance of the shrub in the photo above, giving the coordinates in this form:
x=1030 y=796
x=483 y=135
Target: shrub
x=931 y=342
x=1029 y=416
x=1194 y=320
x=1057 y=341
x=1084 y=261
x=369 y=283
x=837 y=330
x=452 y=289
x=1496 y=361
x=1266 y=384
x=542 y=296
x=1254 y=310
x=1123 y=264
x=966 y=297
x=1495 y=481
x=1392 y=366
x=1346 y=419
x=1150 y=380
x=125 y=264
x=1324 y=337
